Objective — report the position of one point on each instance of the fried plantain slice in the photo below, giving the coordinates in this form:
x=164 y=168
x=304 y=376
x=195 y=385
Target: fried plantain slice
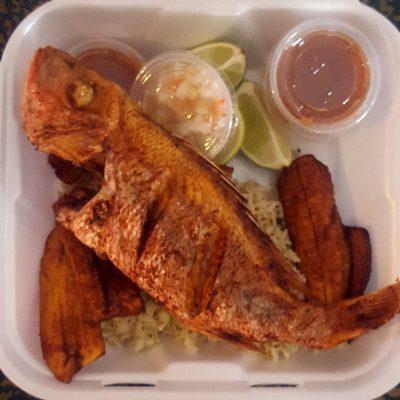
x=77 y=292
x=360 y=260
x=314 y=225
x=68 y=340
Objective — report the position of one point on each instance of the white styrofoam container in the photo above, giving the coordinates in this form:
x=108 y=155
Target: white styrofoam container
x=365 y=164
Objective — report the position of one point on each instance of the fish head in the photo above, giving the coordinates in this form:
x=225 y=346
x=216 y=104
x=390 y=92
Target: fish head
x=69 y=110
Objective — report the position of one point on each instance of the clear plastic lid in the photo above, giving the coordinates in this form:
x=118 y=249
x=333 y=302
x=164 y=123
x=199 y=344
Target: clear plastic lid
x=336 y=73
x=189 y=98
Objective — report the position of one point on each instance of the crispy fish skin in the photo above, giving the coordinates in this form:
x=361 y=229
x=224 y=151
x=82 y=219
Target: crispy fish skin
x=69 y=339
x=176 y=225
x=121 y=295
x=65 y=170
x=314 y=225
x=360 y=260
x=77 y=292
x=104 y=290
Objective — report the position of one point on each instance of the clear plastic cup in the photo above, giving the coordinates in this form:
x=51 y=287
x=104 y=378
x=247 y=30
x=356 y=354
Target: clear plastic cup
x=292 y=38
x=114 y=60
x=189 y=98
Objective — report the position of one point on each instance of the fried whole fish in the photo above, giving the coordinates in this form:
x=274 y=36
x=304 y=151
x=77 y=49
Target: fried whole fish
x=176 y=225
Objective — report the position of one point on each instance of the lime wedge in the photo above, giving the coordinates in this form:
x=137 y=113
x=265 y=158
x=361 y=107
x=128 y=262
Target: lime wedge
x=226 y=57
x=234 y=142
x=263 y=143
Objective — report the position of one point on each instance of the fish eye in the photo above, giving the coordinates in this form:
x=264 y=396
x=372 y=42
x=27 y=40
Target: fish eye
x=81 y=94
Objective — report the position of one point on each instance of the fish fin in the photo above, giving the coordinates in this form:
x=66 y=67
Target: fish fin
x=221 y=170
x=324 y=327
x=284 y=276
x=374 y=309
x=351 y=318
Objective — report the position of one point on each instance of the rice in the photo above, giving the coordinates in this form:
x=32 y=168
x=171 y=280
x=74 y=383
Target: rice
x=148 y=329
x=268 y=211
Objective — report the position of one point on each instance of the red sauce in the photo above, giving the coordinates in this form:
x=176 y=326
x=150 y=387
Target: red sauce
x=113 y=65
x=324 y=77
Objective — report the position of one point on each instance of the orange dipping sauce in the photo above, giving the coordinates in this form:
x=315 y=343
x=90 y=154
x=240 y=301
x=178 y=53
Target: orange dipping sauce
x=113 y=65
x=323 y=77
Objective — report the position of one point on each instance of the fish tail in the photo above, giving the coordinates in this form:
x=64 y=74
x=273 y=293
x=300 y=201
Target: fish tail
x=361 y=314
x=374 y=309
x=326 y=327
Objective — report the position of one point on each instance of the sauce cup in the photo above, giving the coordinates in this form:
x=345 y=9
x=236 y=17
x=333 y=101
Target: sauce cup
x=298 y=36
x=189 y=98
x=114 y=60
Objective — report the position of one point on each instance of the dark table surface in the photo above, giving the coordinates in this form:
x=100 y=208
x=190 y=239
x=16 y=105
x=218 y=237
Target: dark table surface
x=13 y=11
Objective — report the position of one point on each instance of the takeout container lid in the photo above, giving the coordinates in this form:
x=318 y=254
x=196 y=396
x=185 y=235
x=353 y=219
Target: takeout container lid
x=364 y=370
